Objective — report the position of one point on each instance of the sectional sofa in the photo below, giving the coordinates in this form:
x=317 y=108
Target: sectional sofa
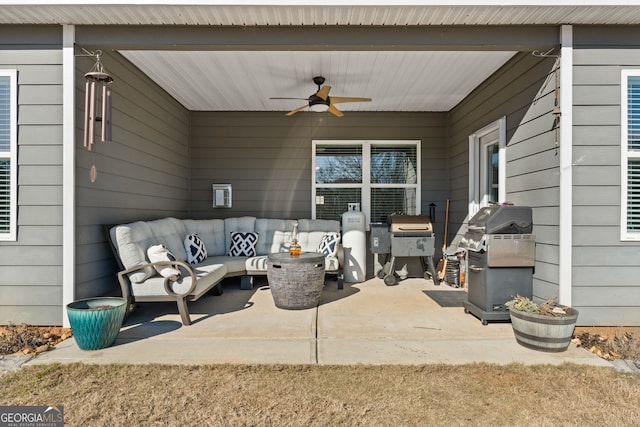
x=181 y=260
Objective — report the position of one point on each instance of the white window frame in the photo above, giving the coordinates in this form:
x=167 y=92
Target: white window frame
x=12 y=155
x=476 y=149
x=366 y=186
x=626 y=154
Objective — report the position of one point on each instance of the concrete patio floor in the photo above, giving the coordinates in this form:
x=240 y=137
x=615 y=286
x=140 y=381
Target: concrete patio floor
x=365 y=323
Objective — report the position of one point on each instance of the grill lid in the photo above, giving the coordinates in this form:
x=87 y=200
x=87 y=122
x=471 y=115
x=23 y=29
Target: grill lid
x=410 y=224
x=502 y=220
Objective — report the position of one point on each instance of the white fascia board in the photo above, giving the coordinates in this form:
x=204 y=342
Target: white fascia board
x=309 y=3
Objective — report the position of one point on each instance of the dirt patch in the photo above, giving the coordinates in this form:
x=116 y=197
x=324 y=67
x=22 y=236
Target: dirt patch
x=613 y=342
x=26 y=339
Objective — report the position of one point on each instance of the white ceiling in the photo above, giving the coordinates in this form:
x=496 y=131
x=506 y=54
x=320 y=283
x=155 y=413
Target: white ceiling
x=328 y=12
x=245 y=80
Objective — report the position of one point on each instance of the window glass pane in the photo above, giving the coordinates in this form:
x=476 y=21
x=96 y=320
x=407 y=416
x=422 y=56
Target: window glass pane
x=5 y=196
x=331 y=203
x=633 y=195
x=394 y=164
x=633 y=113
x=386 y=201
x=5 y=117
x=492 y=173
x=338 y=164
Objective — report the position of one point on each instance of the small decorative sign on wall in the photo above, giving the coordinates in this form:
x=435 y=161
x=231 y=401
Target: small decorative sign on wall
x=221 y=195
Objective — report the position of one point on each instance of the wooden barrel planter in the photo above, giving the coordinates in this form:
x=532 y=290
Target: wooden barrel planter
x=543 y=333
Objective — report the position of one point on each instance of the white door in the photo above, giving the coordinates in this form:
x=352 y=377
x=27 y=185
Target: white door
x=487 y=166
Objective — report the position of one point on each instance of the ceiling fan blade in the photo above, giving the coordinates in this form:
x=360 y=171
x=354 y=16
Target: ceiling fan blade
x=323 y=92
x=333 y=110
x=292 y=112
x=336 y=99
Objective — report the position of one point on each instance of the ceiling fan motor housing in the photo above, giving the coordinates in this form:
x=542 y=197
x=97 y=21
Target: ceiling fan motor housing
x=319 y=80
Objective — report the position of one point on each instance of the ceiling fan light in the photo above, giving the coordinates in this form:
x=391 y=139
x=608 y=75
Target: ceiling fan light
x=318 y=108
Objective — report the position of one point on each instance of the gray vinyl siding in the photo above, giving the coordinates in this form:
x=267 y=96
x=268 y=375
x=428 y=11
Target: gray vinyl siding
x=142 y=174
x=523 y=91
x=31 y=267
x=606 y=271
x=267 y=157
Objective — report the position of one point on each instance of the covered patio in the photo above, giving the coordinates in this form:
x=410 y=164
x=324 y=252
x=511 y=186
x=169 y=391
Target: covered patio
x=414 y=322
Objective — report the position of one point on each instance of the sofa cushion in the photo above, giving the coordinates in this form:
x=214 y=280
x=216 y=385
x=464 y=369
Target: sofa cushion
x=158 y=253
x=243 y=243
x=233 y=264
x=211 y=232
x=329 y=244
x=171 y=233
x=275 y=235
x=311 y=232
x=256 y=264
x=131 y=241
x=196 y=250
x=243 y=223
x=206 y=273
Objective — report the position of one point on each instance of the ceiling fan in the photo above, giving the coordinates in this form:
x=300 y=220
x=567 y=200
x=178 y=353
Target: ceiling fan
x=321 y=101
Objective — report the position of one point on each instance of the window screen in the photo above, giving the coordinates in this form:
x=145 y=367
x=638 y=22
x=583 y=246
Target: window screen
x=633 y=153
x=381 y=176
x=7 y=154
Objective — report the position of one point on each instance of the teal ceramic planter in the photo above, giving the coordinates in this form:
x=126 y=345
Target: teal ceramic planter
x=95 y=322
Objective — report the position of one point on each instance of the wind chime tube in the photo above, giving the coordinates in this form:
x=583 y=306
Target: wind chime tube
x=92 y=114
x=108 y=116
x=104 y=113
x=86 y=115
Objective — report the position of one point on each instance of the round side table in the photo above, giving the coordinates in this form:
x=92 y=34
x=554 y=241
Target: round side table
x=296 y=282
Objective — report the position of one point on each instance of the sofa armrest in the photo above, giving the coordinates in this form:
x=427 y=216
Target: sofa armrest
x=125 y=286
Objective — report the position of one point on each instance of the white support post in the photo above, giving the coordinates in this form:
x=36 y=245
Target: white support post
x=566 y=165
x=68 y=170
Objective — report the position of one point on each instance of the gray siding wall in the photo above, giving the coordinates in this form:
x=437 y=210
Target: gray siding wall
x=606 y=271
x=267 y=157
x=523 y=91
x=143 y=174
x=31 y=267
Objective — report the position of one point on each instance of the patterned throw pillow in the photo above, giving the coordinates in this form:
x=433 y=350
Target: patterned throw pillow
x=157 y=253
x=329 y=244
x=243 y=244
x=196 y=251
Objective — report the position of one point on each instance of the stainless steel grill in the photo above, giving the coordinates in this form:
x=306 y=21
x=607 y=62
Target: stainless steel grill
x=501 y=256
x=405 y=236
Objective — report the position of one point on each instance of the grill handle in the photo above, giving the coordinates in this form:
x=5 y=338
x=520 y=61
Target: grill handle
x=476 y=268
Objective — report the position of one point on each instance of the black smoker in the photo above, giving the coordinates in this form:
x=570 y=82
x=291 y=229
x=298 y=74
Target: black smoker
x=404 y=236
x=501 y=253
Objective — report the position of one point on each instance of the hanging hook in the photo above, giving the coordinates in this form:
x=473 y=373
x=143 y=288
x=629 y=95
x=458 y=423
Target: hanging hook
x=546 y=54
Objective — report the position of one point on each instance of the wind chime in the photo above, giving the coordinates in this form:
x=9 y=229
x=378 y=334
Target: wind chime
x=556 y=112
x=97 y=103
x=97 y=106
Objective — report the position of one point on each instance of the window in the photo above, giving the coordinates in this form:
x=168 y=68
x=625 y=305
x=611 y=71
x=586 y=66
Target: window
x=630 y=206
x=383 y=177
x=8 y=163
